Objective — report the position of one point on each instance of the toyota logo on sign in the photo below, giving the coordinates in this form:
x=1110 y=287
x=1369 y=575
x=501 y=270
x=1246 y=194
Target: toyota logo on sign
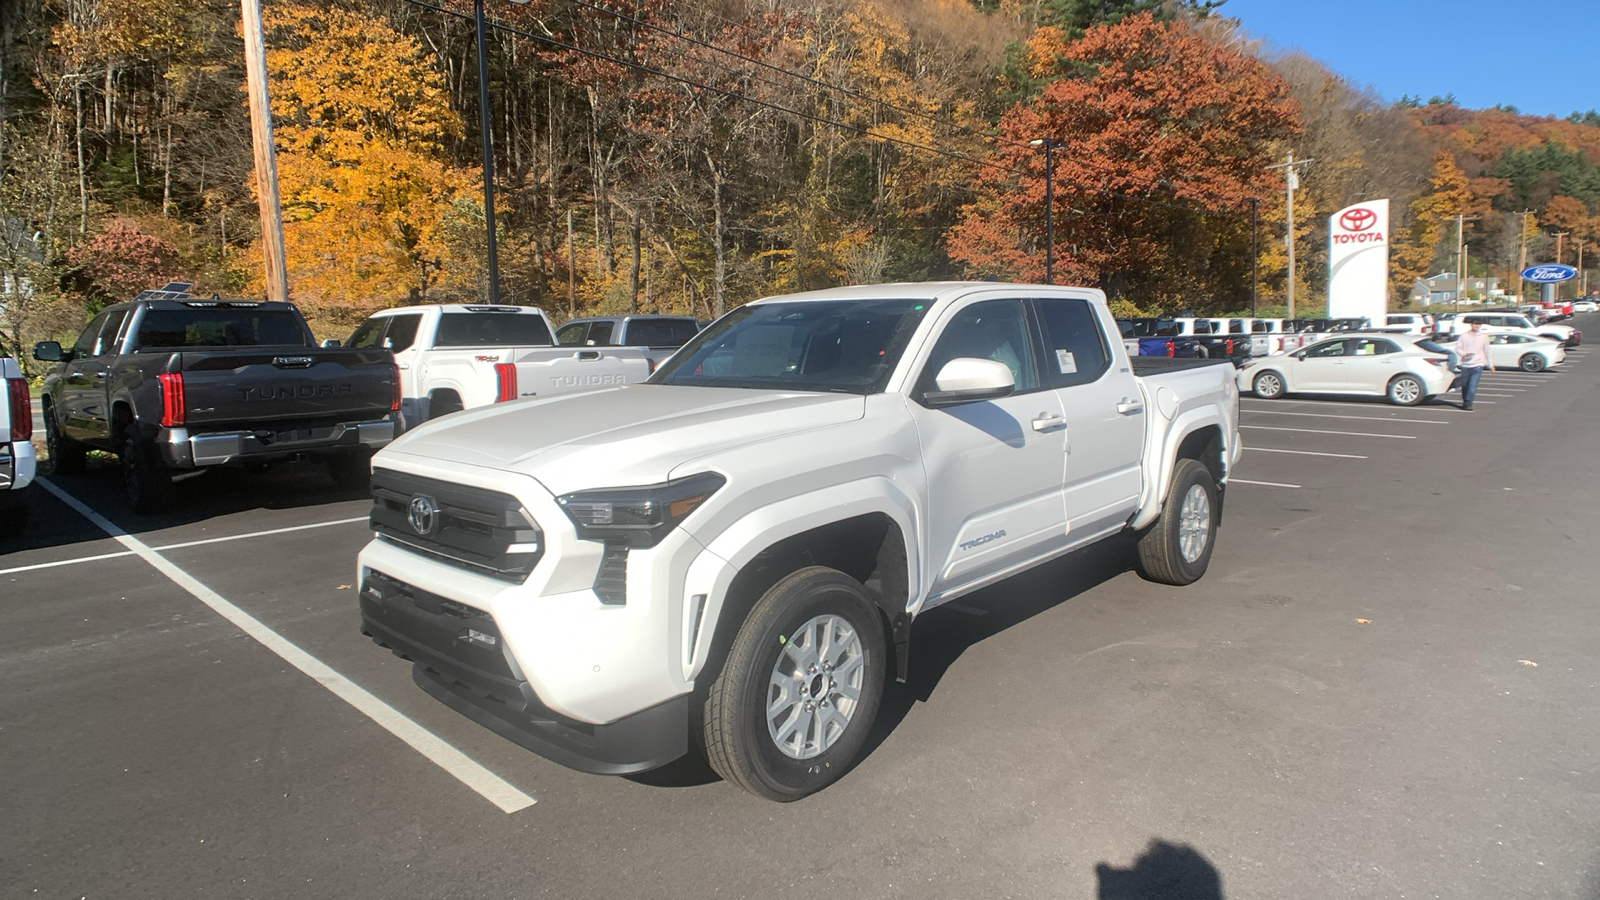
x=423 y=514
x=1358 y=219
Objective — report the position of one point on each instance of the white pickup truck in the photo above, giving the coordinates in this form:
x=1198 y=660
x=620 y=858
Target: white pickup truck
x=455 y=357
x=730 y=556
x=18 y=464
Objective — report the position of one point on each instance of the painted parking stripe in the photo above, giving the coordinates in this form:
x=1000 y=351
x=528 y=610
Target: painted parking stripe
x=1263 y=483
x=1486 y=394
x=215 y=540
x=469 y=772
x=1305 y=453
x=1274 y=412
x=240 y=537
x=1399 y=437
x=1257 y=404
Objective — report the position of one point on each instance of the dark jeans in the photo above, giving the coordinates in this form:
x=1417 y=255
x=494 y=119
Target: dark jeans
x=1469 y=384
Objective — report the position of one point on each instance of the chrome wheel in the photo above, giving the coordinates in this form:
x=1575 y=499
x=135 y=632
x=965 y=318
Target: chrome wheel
x=1269 y=386
x=815 y=686
x=1405 y=391
x=1194 y=523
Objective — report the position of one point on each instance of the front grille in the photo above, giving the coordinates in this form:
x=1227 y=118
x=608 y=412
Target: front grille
x=482 y=531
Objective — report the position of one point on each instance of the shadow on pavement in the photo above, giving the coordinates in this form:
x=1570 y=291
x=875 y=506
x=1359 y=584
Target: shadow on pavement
x=941 y=636
x=206 y=496
x=1164 y=872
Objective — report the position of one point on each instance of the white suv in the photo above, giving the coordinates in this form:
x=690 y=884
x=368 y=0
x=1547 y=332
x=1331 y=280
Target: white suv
x=17 y=461
x=1409 y=323
x=1500 y=321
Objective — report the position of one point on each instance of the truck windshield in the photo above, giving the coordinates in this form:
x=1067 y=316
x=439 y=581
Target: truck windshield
x=220 y=327
x=848 y=346
x=492 y=329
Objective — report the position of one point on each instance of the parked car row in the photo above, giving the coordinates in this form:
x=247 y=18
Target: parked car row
x=1408 y=369
x=175 y=384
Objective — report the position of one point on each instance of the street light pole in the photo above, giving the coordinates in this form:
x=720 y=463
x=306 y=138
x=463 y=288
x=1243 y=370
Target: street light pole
x=488 y=153
x=1049 y=145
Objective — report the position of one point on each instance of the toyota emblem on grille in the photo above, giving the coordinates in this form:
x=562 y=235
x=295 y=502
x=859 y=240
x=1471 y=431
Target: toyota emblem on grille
x=423 y=514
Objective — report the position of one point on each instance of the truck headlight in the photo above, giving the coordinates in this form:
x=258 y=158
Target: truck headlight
x=638 y=517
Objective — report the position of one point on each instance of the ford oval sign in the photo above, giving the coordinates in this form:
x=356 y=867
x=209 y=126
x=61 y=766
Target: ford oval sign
x=1549 y=273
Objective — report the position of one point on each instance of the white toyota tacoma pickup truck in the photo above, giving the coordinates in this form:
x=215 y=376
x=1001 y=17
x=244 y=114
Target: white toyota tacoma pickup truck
x=729 y=557
x=454 y=357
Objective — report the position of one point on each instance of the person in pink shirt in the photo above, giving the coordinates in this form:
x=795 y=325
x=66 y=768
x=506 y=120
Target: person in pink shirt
x=1474 y=350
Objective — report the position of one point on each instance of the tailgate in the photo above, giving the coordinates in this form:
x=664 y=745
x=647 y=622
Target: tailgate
x=263 y=385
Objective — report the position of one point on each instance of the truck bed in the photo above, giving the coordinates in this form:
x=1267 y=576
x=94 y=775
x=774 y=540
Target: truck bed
x=1157 y=365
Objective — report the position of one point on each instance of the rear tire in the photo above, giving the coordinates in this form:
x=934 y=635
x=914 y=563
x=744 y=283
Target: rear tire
x=1406 y=390
x=146 y=484
x=1531 y=362
x=443 y=405
x=1176 y=549
x=1268 y=385
x=67 y=456
x=800 y=689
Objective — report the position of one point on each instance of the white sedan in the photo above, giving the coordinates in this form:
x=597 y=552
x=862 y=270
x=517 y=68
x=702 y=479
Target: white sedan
x=1384 y=365
x=1511 y=350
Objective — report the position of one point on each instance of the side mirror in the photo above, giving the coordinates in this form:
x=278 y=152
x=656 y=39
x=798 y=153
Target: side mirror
x=967 y=379
x=49 y=351
x=331 y=343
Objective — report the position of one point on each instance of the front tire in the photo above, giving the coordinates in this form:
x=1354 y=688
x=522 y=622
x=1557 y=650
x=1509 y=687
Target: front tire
x=800 y=689
x=1406 y=390
x=1268 y=385
x=67 y=456
x=146 y=484
x=1531 y=362
x=1176 y=549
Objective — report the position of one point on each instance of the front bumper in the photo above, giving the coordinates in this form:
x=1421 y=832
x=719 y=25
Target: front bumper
x=461 y=658
x=181 y=449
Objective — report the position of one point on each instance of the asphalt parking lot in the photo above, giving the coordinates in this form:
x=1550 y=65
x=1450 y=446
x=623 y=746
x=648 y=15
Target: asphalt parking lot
x=1384 y=687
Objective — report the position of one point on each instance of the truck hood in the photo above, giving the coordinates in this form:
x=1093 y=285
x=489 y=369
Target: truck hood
x=632 y=434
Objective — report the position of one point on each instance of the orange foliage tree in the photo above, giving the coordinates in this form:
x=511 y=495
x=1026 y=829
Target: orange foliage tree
x=1163 y=111
x=368 y=196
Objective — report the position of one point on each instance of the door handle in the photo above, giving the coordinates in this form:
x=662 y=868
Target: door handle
x=1129 y=407
x=402 y=365
x=1047 y=422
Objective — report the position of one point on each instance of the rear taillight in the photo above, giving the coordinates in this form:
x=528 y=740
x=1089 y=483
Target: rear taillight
x=1230 y=346
x=21 y=409
x=1172 y=348
x=505 y=377
x=652 y=366
x=172 y=406
x=394 y=394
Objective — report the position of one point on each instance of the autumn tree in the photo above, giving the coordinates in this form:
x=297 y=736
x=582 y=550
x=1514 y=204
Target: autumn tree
x=1164 y=131
x=121 y=261
x=1416 y=247
x=361 y=123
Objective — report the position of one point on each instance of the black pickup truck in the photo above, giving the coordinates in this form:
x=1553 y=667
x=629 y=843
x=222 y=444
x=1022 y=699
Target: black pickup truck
x=173 y=384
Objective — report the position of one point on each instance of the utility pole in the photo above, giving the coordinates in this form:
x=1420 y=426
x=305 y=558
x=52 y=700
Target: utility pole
x=1049 y=145
x=1254 y=276
x=1291 y=182
x=255 y=67
x=1522 y=252
x=1461 y=256
x=490 y=242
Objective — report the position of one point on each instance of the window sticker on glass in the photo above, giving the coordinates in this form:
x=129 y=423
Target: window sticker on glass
x=1065 y=362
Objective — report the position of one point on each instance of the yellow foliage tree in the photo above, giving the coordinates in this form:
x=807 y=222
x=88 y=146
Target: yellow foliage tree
x=1431 y=219
x=362 y=119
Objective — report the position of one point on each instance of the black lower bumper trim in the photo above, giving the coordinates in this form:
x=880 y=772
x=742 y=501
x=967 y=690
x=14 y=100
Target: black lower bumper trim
x=646 y=740
x=461 y=660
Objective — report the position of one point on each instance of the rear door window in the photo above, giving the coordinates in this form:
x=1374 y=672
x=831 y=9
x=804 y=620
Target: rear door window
x=1074 y=347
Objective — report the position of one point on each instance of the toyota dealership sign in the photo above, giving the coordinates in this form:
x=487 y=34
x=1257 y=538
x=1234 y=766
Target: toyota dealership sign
x=1358 y=262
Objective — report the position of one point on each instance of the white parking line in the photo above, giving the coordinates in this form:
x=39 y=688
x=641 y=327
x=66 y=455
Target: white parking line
x=491 y=786
x=1263 y=483
x=1401 y=437
x=1321 y=403
x=215 y=540
x=1487 y=394
x=1304 y=452
x=1274 y=412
